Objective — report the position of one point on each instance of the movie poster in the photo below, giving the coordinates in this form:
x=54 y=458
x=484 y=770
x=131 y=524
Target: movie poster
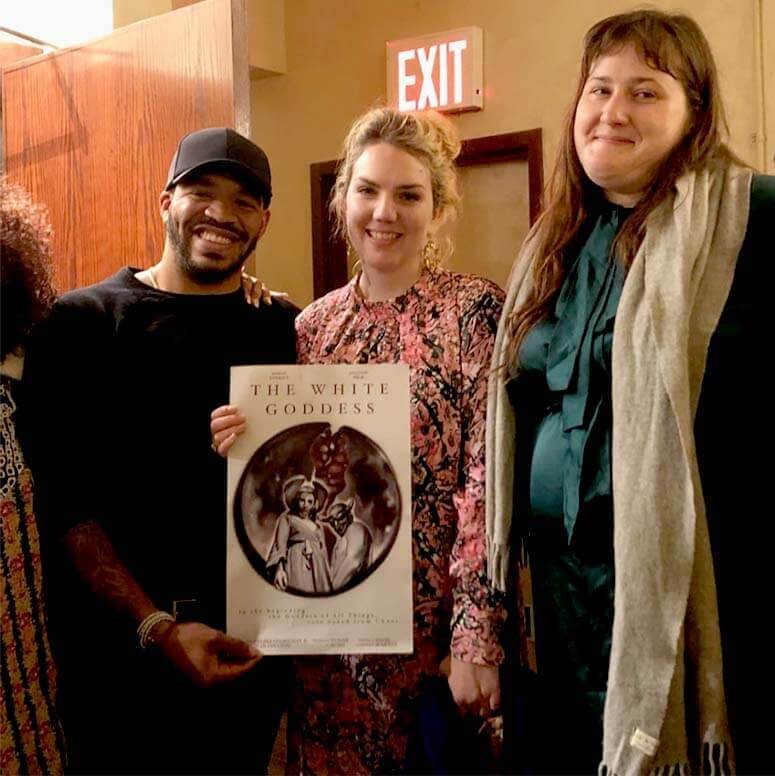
x=319 y=557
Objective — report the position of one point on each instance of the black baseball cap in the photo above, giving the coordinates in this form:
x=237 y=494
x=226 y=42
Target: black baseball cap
x=223 y=149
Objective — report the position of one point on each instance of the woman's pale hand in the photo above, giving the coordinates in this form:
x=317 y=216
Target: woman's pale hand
x=257 y=293
x=226 y=423
x=475 y=688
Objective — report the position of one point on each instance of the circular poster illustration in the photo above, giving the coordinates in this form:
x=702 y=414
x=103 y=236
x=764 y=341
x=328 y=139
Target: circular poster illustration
x=316 y=511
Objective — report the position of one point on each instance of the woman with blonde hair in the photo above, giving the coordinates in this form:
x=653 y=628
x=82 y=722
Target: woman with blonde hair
x=395 y=187
x=622 y=428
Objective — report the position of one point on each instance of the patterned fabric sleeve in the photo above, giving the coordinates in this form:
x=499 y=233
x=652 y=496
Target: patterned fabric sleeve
x=306 y=325
x=478 y=609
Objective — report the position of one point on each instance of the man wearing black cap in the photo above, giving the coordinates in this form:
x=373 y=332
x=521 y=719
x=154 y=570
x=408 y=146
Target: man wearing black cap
x=213 y=170
x=122 y=379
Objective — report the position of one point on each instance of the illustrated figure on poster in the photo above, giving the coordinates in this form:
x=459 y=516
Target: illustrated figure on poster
x=298 y=553
x=317 y=509
x=351 y=552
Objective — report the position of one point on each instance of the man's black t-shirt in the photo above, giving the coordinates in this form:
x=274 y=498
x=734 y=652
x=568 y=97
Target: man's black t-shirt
x=121 y=381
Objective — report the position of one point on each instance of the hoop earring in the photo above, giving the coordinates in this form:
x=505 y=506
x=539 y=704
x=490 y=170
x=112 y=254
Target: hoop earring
x=431 y=255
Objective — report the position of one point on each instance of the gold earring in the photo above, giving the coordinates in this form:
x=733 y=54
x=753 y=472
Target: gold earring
x=352 y=260
x=431 y=255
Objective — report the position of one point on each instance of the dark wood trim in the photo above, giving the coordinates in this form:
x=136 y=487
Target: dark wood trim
x=329 y=253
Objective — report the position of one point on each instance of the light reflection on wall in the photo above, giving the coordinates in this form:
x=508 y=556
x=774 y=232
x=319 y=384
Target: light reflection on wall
x=57 y=22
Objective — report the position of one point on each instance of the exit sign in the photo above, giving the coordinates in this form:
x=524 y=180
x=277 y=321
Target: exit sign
x=442 y=71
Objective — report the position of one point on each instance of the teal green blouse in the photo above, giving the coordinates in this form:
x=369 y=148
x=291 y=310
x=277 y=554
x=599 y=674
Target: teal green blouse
x=571 y=460
x=566 y=362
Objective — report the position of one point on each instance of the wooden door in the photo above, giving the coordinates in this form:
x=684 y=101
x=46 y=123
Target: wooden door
x=90 y=130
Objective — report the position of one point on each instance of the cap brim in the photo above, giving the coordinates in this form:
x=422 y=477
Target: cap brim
x=235 y=170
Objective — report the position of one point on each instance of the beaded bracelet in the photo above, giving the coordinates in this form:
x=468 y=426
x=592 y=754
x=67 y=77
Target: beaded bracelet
x=146 y=626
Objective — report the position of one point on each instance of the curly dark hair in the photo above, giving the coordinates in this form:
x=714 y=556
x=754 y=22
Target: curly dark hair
x=26 y=285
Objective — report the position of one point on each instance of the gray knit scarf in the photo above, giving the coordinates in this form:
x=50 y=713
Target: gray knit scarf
x=666 y=645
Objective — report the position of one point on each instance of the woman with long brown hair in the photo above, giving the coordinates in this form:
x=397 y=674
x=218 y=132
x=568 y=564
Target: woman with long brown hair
x=621 y=436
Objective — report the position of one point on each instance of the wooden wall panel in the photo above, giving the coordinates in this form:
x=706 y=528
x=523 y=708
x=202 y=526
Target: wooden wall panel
x=90 y=130
x=13 y=52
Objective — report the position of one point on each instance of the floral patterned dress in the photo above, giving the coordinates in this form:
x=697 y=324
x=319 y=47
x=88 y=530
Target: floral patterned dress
x=354 y=713
x=30 y=736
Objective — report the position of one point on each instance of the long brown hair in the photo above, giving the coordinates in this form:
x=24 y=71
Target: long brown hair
x=674 y=44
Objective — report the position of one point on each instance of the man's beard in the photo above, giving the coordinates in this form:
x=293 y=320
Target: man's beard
x=204 y=275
